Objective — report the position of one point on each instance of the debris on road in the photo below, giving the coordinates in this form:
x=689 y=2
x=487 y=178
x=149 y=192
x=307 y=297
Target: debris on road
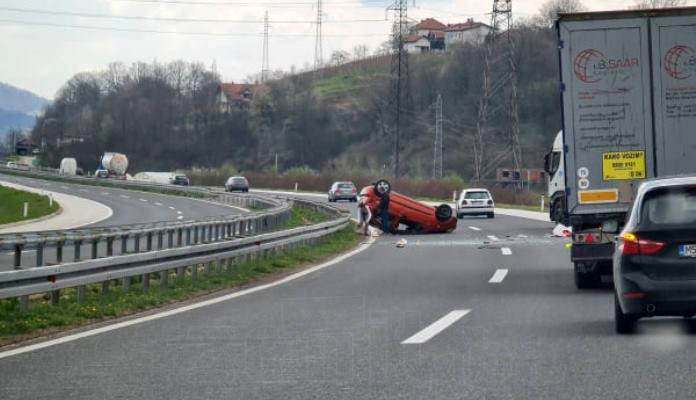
x=562 y=231
x=401 y=243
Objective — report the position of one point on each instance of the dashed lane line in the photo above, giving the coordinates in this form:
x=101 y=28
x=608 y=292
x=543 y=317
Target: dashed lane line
x=506 y=251
x=498 y=276
x=436 y=327
x=158 y=204
x=172 y=208
x=473 y=228
x=143 y=200
x=124 y=196
x=493 y=238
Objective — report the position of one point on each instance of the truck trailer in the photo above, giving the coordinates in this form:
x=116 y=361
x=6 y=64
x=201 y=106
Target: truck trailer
x=628 y=94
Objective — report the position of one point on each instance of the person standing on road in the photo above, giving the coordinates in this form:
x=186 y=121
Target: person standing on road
x=365 y=215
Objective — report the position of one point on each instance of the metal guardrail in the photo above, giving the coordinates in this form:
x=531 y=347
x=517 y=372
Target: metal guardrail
x=206 y=244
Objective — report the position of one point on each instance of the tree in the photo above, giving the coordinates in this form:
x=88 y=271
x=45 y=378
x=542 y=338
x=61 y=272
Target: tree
x=360 y=51
x=339 y=57
x=648 y=4
x=548 y=12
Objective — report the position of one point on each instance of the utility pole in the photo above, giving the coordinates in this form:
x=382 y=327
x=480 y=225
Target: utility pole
x=265 y=64
x=498 y=102
x=399 y=72
x=318 y=52
x=437 y=157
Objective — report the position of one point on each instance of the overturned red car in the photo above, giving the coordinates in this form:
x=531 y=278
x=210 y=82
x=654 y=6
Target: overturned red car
x=414 y=215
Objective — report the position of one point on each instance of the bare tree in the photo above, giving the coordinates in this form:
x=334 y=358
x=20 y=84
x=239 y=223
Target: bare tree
x=548 y=12
x=360 y=51
x=339 y=57
x=648 y=4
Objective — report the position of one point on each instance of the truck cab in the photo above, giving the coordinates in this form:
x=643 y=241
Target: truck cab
x=554 y=167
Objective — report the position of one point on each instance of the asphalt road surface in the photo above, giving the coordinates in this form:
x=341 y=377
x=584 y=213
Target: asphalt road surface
x=487 y=312
x=129 y=207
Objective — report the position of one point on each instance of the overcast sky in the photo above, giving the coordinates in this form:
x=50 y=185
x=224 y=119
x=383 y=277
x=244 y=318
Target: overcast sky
x=41 y=58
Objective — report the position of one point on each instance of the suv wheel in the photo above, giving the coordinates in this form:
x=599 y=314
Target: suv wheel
x=443 y=212
x=382 y=187
x=586 y=279
x=624 y=323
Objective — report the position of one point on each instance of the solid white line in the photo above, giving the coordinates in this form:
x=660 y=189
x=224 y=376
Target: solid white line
x=436 y=327
x=506 y=251
x=499 y=275
x=158 y=204
x=493 y=238
x=145 y=200
x=180 y=310
x=474 y=228
x=522 y=236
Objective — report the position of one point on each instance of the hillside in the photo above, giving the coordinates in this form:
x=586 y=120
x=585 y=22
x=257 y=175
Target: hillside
x=18 y=108
x=338 y=120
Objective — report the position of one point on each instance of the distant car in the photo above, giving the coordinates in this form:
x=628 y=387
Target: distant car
x=101 y=173
x=181 y=180
x=12 y=165
x=475 y=202
x=343 y=191
x=416 y=216
x=237 y=184
x=654 y=262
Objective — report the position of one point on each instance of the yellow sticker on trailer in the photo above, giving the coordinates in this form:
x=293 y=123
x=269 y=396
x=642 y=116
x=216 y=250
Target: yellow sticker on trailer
x=598 y=196
x=623 y=165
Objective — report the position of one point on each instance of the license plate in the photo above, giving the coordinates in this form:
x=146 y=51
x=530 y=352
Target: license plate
x=478 y=202
x=687 y=250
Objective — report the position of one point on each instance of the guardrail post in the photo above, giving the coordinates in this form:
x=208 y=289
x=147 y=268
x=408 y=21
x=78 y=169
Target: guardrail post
x=136 y=243
x=78 y=250
x=179 y=273
x=81 y=294
x=160 y=240
x=149 y=241
x=164 y=279
x=18 y=256
x=23 y=304
x=95 y=248
x=59 y=252
x=125 y=283
x=55 y=297
x=194 y=271
x=109 y=246
x=146 y=282
x=105 y=287
x=207 y=268
x=39 y=254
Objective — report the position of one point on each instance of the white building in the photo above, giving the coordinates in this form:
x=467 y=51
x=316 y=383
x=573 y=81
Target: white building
x=469 y=32
x=416 y=44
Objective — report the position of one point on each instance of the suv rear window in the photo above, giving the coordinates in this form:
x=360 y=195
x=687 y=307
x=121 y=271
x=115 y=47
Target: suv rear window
x=669 y=206
x=476 y=195
x=345 y=186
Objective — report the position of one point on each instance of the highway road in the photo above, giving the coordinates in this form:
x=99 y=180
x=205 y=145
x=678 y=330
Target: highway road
x=129 y=207
x=487 y=312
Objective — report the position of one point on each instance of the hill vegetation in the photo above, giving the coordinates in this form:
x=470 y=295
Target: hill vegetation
x=337 y=120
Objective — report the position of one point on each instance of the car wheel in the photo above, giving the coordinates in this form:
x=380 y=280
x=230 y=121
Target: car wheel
x=382 y=187
x=491 y=215
x=624 y=323
x=443 y=212
x=586 y=279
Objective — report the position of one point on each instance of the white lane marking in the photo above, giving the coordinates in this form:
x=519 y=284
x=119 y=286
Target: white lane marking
x=506 y=251
x=180 y=217
x=474 y=228
x=172 y=208
x=178 y=212
x=145 y=200
x=522 y=236
x=493 y=238
x=164 y=314
x=436 y=327
x=158 y=204
x=499 y=275
x=124 y=196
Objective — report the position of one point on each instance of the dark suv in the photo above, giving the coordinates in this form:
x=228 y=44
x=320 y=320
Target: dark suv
x=655 y=257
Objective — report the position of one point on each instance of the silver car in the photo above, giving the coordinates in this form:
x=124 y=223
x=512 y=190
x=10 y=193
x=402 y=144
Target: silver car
x=237 y=184
x=343 y=191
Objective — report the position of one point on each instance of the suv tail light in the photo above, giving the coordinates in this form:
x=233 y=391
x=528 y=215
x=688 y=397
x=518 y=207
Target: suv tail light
x=490 y=202
x=464 y=202
x=630 y=245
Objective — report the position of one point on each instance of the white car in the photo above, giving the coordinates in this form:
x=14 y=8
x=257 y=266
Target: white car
x=475 y=202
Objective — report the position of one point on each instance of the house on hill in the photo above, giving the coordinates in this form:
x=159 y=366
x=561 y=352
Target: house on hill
x=431 y=29
x=235 y=96
x=416 y=44
x=469 y=32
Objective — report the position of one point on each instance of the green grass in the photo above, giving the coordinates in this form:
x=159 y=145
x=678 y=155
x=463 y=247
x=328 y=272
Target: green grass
x=12 y=205
x=303 y=216
x=341 y=83
x=43 y=317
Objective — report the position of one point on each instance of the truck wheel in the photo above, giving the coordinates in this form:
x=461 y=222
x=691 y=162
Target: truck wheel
x=443 y=212
x=624 y=323
x=586 y=279
x=382 y=187
x=558 y=212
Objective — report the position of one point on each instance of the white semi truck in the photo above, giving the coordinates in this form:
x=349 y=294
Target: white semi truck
x=68 y=166
x=628 y=83
x=116 y=164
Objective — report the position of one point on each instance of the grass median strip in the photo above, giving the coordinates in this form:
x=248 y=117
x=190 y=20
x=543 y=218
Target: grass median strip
x=12 y=205
x=44 y=318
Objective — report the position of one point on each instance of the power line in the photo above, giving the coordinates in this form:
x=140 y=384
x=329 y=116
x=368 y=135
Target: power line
x=437 y=156
x=265 y=64
x=134 y=30
x=172 y=19
x=318 y=51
